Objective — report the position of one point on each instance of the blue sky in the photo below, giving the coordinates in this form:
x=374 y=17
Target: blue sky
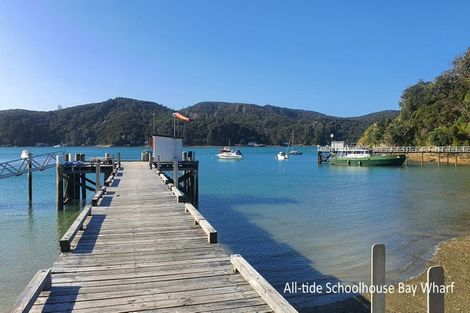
x=337 y=57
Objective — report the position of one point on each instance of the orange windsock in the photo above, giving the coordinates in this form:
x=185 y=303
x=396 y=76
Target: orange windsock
x=181 y=117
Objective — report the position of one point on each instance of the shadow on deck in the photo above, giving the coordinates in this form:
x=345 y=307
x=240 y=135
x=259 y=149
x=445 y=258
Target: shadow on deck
x=87 y=242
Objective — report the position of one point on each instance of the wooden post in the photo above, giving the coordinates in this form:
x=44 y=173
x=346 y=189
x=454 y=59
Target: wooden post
x=119 y=160
x=377 y=273
x=175 y=173
x=455 y=164
x=422 y=157
x=30 y=178
x=59 y=184
x=435 y=299
x=97 y=181
x=191 y=190
x=83 y=182
x=184 y=157
x=196 y=189
x=447 y=162
x=150 y=160
x=76 y=186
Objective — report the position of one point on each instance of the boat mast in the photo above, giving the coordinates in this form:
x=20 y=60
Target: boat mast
x=291 y=140
x=292 y=146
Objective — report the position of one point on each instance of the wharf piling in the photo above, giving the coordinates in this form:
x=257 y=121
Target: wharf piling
x=181 y=174
x=71 y=180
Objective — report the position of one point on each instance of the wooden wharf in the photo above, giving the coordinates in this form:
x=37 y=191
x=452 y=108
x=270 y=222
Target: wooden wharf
x=138 y=249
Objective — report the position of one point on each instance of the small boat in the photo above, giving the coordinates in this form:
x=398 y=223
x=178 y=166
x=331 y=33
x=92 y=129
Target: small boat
x=363 y=157
x=228 y=154
x=281 y=156
x=291 y=145
x=57 y=146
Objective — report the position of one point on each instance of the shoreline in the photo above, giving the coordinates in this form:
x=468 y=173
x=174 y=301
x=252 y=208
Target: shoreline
x=454 y=256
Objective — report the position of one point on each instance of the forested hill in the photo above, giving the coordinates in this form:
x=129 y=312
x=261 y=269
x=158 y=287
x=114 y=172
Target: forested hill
x=432 y=113
x=123 y=121
x=217 y=122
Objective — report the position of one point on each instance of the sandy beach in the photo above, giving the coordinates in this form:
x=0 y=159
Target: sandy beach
x=454 y=256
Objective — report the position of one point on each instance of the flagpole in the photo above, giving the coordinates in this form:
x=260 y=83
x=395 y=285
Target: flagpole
x=174 y=126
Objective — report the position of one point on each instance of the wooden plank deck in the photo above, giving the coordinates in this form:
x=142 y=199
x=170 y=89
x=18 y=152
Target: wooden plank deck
x=141 y=251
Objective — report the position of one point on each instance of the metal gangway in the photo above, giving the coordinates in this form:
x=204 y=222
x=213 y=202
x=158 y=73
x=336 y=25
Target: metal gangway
x=28 y=164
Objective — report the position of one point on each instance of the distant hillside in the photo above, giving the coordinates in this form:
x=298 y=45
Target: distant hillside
x=124 y=121
x=432 y=113
x=217 y=122
x=119 y=121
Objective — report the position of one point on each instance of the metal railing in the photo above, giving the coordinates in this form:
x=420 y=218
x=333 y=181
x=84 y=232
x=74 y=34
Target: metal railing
x=431 y=149
x=407 y=149
x=22 y=166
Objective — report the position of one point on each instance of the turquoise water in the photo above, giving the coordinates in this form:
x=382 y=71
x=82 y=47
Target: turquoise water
x=293 y=220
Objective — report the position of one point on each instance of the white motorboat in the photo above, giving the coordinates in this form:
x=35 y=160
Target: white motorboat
x=281 y=156
x=228 y=154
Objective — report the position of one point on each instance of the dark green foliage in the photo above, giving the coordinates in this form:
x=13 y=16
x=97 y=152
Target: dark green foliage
x=215 y=123
x=123 y=121
x=432 y=113
x=118 y=121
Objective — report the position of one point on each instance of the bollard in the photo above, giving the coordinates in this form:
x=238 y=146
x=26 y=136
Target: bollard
x=377 y=273
x=435 y=299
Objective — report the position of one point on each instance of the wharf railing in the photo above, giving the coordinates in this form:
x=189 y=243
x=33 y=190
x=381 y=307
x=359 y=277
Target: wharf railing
x=406 y=149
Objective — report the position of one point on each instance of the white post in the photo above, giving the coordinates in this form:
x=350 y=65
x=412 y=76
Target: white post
x=435 y=298
x=377 y=277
